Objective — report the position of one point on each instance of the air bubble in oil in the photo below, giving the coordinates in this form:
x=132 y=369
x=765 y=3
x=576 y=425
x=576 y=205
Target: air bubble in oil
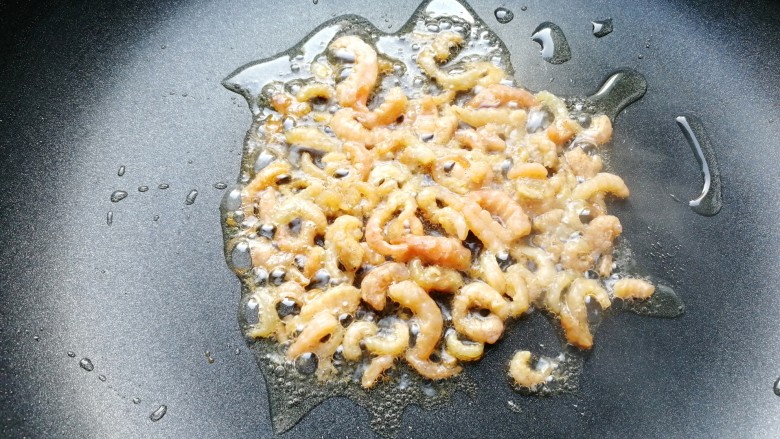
x=86 y=364
x=503 y=15
x=118 y=196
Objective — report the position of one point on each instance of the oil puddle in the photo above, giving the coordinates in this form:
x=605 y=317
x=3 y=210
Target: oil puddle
x=710 y=201
x=601 y=28
x=293 y=388
x=555 y=49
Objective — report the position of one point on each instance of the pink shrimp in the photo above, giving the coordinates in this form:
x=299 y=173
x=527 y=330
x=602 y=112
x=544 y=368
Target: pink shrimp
x=388 y=112
x=373 y=288
x=355 y=90
x=503 y=206
x=439 y=250
x=498 y=94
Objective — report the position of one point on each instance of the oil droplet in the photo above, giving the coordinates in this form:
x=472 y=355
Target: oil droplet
x=159 y=413
x=621 y=88
x=143 y=188
x=641 y=56
x=36 y=338
x=602 y=27
x=102 y=377
x=136 y=400
x=118 y=196
x=555 y=48
x=503 y=15
x=710 y=201
x=191 y=197
x=523 y=8
x=315 y=1
x=110 y=217
x=71 y=354
x=156 y=217
x=121 y=171
x=86 y=364
x=776 y=387
x=209 y=358
x=220 y=186
x=163 y=186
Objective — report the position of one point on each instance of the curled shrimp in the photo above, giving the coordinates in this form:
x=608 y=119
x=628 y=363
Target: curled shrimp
x=287 y=104
x=517 y=290
x=520 y=370
x=388 y=112
x=451 y=220
x=392 y=341
x=601 y=232
x=483 y=116
x=355 y=90
x=313 y=222
x=603 y=182
x=373 y=288
x=598 y=133
x=464 y=351
x=375 y=233
x=535 y=171
x=342 y=244
x=434 y=278
x=375 y=369
x=410 y=295
x=563 y=128
x=481 y=329
x=475 y=73
x=458 y=174
x=361 y=159
x=311 y=138
x=266 y=178
x=480 y=140
x=496 y=95
x=574 y=316
x=314 y=90
x=582 y=164
x=438 y=250
x=633 y=289
x=543 y=273
x=310 y=339
x=503 y=206
x=353 y=336
x=337 y=300
x=490 y=272
x=345 y=125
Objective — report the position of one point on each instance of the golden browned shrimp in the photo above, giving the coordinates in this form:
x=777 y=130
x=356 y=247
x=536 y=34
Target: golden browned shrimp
x=410 y=295
x=496 y=95
x=313 y=222
x=389 y=342
x=528 y=170
x=464 y=351
x=448 y=217
x=286 y=104
x=314 y=90
x=480 y=140
x=375 y=225
x=601 y=232
x=603 y=182
x=375 y=370
x=388 y=112
x=598 y=133
x=342 y=244
x=524 y=376
x=458 y=174
x=373 y=289
x=481 y=329
x=517 y=289
x=355 y=90
x=311 y=138
x=438 y=250
x=574 y=316
x=356 y=332
x=336 y=301
x=633 y=289
x=265 y=178
x=361 y=159
x=310 y=339
x=345 y=125
x=483 y=116
x=435 y=278
x=503 y=206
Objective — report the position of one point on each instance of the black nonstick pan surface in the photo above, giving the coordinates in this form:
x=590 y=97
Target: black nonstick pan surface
x=87 y=87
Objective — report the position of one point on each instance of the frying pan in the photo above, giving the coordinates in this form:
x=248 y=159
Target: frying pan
x=89 y=86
